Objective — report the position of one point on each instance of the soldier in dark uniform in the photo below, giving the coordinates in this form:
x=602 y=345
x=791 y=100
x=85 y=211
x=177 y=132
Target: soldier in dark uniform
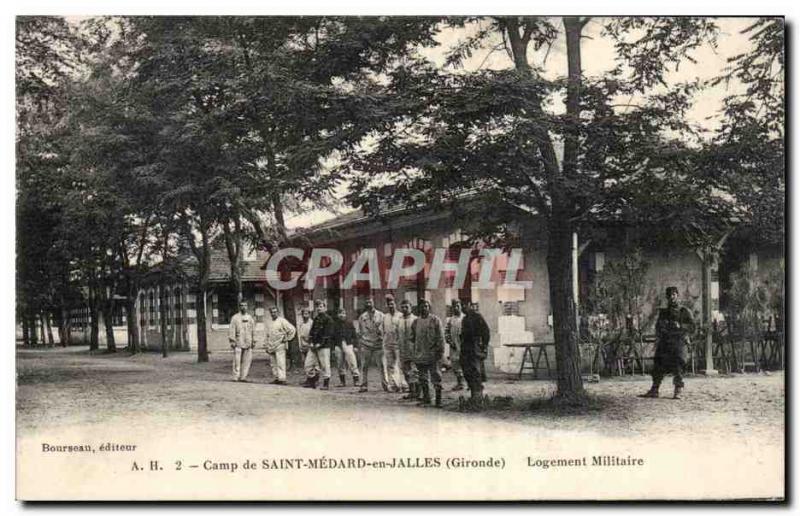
x=474 y=348
x=673 y=328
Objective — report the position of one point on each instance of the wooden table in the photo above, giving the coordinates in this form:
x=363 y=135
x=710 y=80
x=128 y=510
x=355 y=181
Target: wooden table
x=527 y=355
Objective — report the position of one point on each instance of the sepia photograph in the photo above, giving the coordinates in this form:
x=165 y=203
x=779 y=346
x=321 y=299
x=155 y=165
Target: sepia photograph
x=489 y=258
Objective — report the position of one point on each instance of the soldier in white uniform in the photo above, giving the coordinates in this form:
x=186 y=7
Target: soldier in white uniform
x=304 y=332
x=278 y=333
x=370 y=337
x=391 y=351
x=241 y=335
x=452 y=343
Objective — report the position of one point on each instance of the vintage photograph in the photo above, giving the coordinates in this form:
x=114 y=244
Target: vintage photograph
x=400 y=258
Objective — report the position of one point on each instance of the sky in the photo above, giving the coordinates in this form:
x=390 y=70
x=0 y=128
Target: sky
x=597 y=59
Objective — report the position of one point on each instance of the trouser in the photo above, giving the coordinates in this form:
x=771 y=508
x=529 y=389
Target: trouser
x=242 y=358
x=409 y=368
x=665 y=365
x=455 y=364
x=430 y=372
x=318 y=361
x=474 y=374
x=346 y=360
x=278 y=362
x=367 y=357
x=391 y=366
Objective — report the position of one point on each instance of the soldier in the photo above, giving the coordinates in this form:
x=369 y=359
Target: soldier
x=474 y=349
x=241 y=335
x=391 y=352
x=405 y=345
x=370 y=337
x=428 y=337
x=318 y=358
x=344 y=341
x=452 y=341
x=279 y=332
x=673 y=328
x=304 y=332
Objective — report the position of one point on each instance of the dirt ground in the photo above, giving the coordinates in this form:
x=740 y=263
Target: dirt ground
x=724 y=439
x=71 y=387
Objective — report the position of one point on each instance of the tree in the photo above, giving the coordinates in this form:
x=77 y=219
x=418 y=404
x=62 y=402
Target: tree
x=501 y=132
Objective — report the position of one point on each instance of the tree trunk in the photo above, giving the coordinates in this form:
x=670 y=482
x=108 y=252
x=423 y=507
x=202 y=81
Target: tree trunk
x=26 y=336
x=562 y=302
x=34 y=330
x=202 y=342
x=132 y=316
x=94 y=325
x=108 y=318
x=162 y=316
x=49 y=330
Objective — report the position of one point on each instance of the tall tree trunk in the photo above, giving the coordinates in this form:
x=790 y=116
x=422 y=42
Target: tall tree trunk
x=26 y=335
x=295 y=356
x=107 y=306
x=202 y=342
x=132 y=314
x=162 y=316
x=49 y=330
x=34 y=330
x=94 y=327
x=563 y=304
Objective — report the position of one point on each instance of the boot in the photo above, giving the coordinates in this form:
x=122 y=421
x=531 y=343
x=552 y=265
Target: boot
x=342 y=382
x=438 y=389
x=412 y=392
x=356 y=380
x=308 y=383
x=677 y=394
x=426 y=394
x=459 y=383
x=326 y=384
x=652 y=393
x=363 y=387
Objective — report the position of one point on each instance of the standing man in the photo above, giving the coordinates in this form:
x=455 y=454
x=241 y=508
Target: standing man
x=475 y=336
x=318 y=358
x=673 y=329
x=278 y=333
x=345 y=340
x=304 y=332
x=391 y=351
x=370 y=337
x=406 y=348
x=452 y=343
x=241 y=335
x=428 y=337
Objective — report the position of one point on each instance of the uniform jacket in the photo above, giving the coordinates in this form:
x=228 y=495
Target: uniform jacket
x=390 y=329
x=278 y=334
x=452 y=334
x=370 y=329
x=322 y=331
x=405 y=341
x=241 y=331
x=428 y=336
x=304 y=334
x=474 y=335
x=344 y=333
x=673 y=328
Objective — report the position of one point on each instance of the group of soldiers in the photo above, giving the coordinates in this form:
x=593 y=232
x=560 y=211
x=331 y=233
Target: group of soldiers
x=410 y=350
x=413 y=350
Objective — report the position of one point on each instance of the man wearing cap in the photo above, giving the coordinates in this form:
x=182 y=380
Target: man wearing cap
x=428 y=336
x=241 y=335
x=674 y=326
x=370 y=337
x=318 y=358
x=405 y=345
x=452 y=343
x=475 y=336
x=391 y=351
x=344 y=343
x=279 y=332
